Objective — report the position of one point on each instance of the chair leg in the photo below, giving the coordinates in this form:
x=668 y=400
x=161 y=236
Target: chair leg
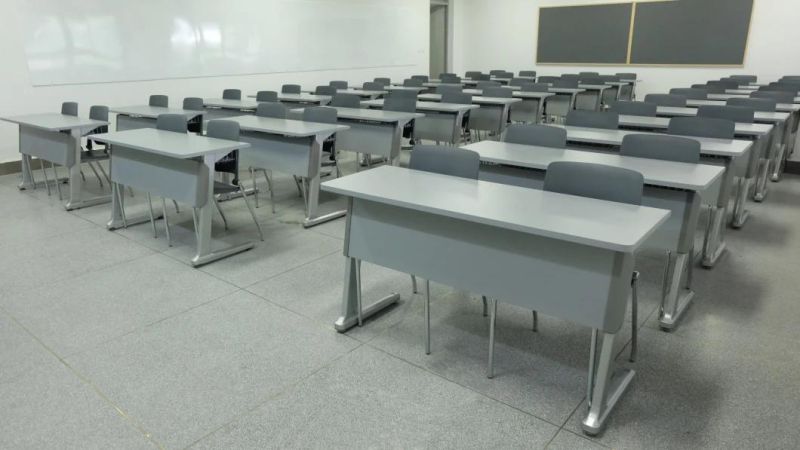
x=252 y=212
x=55 y=179
x=304 y=191
x=120 y=197
x=177 y=208
x=271 y=191
x=224 y=219
x=103 y=171
x=414 y=289
x=485 y=306
x=166 y=221
x=634 y=315
x=152 y=216
x=83 y=175
x=44 y=174
x=592 y=367
x=427 y=317
x=196 y=224
x=255 y=186
x=297 y=182
x=535 y=325
x=492 y=326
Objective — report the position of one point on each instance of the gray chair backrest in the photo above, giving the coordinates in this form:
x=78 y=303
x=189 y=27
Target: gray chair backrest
x=325 y=90
x=527 y=73
x=266 y=96
x=290 y=89
x=320 y=114
x=690 y=93
x=404 y=93
x=607 y=78
x=666 y=99
x=159 y=100
x=500 y=92
x=595 y=74
x=423 y=78
x=412 y=82
x=711 y=89
x=450 y=79
x=383 y=81
x=740 y=114
x=487 y=84
x=447 y=74
x=442 y=88
x=727 y=84
x=456 y=162
x=708 y=127
x=519 y=81
x=570 y=83
x=634 y=108
x=779 y=96
x=346 y=101
x=338 y=84
x=482 y=77
x=570 y=76
x=471 y=74
x=590 y=79
x=69 y=108
x=400 y=103
x=505 y=75
x=542 y=135
x=593 y=119
x=274 y=110
x=745 y=78
x=232 y=94
x=758 y=104
x=98 y=112
x=223 y=129
x=496 y=72
x=534 y=87
x=597 y=181
x=547 y=79
x=193 y=103
x=627 y=75
x=657 y=146
x=373 y=86
x=172 y=122
x=456 y=97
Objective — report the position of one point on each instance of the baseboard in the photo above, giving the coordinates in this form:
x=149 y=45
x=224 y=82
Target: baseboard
x=10 y=167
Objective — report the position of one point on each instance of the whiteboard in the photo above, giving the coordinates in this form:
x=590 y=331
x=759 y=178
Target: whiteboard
x=94 y=41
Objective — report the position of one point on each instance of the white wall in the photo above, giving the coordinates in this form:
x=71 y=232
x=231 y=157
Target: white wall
x=502 y=34
x=18 y=96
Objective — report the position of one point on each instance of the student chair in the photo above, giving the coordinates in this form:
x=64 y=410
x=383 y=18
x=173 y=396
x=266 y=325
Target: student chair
x=267 y=96
x=290 y=89
x=159 y=101
x=346 y=101
x=666 y=100
x=631 y=108
x=232 y=94
x=538 y=135
x=593 y=119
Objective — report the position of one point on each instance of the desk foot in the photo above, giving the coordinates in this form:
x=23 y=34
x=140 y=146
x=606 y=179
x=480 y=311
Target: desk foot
x=343 y=323
x=669 y=321
x=116 y=224
x=200 y=260
x=309 y=222
x=738 y=222
x=594 y=423
x=72 y=205
x=760 y=196
x=711 y=259
x=235 y=195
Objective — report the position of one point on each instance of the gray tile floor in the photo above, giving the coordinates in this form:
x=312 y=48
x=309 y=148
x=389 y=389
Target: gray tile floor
x=111 y=340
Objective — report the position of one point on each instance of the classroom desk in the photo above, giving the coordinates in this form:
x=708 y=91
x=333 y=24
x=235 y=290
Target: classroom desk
x=677 y=187
x=289 y=146
x=740 y=91
x=304 y=98
x=761 y=135
x=571 y=92
x=442 y=121
x=474 y=236
x=145 y=116
x=56 y=138
x=221 y=108
x=371 y=131
x=730 y=96
x=731 y=154
x=179 y=166
x=595 y=91
x=528 y=110
x=368 y=94
x=417 y=89
x=789 y=136
x=782 y=134
x=493 y=113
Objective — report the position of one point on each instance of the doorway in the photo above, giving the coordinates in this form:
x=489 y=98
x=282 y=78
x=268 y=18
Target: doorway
x=438 y=37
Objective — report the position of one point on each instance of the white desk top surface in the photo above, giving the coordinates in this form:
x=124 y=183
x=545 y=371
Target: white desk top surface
x=153 y=111
x=729 y=96
x=613 y=226
x=374 y=115
x=54 y=121
x=478 y=100
x=760 y=116
x=304 y=98
x=225 y=103
x=677 y=175
x=730 y=148
x=286 y=127
x=742 y=129
x=781 y=107
x=428 y=106
x=168 y=143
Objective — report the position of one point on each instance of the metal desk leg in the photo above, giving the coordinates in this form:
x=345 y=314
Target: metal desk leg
x=27 y=180
x=776 y=141
x=605 y=389
x=677 y=297
x=714 y=244
x=313 y=190
x=352 y=288
x=779 y=160
x=204 y=253
x=740 y=213
x=76 y=182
